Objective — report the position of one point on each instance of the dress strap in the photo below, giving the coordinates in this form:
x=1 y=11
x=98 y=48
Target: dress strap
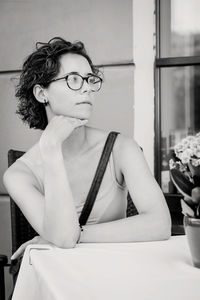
x=98 y=177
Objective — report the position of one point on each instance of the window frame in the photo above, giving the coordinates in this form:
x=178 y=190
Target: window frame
x=164 y=62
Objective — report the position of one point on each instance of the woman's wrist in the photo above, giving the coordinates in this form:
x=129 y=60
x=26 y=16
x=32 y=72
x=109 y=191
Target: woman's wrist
x=51 y=152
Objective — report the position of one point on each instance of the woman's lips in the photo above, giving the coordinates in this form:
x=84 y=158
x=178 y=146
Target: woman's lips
x=84 y=102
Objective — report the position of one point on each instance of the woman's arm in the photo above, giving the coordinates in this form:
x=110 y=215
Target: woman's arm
x=60 y=222
x=153 y=221
x=52 y=215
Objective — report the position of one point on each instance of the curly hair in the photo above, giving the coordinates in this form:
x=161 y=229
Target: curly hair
x=41 y=67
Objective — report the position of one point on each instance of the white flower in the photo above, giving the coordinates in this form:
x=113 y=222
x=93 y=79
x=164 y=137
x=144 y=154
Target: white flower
x=188 y=149
x=185 y=160
x=190 y=138
x=195 y=162
x=197 y=153
x=179 y=148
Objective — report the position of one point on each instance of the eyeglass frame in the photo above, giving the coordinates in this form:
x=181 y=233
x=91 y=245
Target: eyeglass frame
x=83 y=79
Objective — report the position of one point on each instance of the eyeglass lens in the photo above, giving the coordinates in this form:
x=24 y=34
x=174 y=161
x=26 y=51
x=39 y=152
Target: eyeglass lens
x=75 y=82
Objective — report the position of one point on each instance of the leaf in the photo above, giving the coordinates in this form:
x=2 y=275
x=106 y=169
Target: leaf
x=186 y=209
x=183 y=185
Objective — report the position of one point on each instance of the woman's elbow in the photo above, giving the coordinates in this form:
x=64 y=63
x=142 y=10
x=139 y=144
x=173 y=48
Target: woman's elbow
x=166 y=233
x=164 y=227
x=162 y=219
x=65 y=241
x=66 y=244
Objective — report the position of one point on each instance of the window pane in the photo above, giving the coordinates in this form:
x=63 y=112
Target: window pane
x=180 y=28
x=180 y=111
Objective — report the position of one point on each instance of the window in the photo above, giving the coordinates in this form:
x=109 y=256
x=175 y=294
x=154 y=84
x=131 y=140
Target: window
x=177 y=80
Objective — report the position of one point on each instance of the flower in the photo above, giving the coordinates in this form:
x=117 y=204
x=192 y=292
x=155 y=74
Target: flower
x=185 y=173
x=188 y=150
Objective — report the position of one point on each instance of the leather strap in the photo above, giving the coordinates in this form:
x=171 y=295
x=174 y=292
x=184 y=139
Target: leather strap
x=98 y=178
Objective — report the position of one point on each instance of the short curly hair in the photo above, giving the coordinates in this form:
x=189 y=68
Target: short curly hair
x=41 y=67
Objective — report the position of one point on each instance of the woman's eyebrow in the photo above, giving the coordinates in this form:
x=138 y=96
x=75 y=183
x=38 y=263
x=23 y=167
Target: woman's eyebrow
x=77 y=73
x=73 y=72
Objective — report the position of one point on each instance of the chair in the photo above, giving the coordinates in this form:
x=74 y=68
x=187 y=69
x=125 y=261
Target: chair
x=22 y=231
x=20 y=228
x=3 y=263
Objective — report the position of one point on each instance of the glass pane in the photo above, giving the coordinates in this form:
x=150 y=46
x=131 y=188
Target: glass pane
x=180 y=112
x=179 y=28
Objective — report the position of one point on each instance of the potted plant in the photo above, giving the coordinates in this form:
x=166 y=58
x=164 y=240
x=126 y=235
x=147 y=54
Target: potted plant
x=185 y=175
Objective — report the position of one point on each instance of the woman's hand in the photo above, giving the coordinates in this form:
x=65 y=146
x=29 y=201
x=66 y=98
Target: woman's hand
x=20 y=251
x=58 y=129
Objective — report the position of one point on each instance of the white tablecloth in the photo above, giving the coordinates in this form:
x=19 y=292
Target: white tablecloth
x=140 y=271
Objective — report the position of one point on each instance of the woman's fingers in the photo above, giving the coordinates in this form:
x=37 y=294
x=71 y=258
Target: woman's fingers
x=59 y=129
x=20 y=250
x=80 y=123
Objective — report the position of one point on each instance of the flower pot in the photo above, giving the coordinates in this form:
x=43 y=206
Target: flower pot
x=192 y=230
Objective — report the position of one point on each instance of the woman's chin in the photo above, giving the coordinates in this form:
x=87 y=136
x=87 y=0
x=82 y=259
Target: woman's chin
x=81 y=116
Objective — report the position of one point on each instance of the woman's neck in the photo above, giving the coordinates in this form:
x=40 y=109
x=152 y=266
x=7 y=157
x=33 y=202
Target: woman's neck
x=75 y=144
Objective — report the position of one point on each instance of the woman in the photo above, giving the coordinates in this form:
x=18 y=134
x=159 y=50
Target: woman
x=51 y=181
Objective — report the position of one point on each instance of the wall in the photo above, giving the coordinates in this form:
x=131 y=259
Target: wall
x=106 y=28
x=144 y=57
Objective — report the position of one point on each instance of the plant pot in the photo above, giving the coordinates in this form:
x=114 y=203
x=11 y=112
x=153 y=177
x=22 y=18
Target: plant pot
x=192 y=230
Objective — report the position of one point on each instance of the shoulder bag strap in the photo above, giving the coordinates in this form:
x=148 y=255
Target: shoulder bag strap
x=98 y=177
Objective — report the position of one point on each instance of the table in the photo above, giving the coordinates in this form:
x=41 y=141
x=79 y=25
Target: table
x=159 y=270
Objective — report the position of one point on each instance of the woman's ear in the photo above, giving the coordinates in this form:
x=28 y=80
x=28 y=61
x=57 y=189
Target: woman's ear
x=40 y=94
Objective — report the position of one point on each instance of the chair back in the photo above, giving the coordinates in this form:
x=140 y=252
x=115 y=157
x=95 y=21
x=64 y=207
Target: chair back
x=22 y=231
x=131 y=209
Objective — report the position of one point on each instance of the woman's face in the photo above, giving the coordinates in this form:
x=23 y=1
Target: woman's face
x=65 y=101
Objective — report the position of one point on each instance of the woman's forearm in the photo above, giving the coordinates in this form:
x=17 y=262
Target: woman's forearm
x=60 y=221
x=143 y=227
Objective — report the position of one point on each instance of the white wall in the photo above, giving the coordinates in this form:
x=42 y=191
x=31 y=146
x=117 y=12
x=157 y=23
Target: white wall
x=144 y=57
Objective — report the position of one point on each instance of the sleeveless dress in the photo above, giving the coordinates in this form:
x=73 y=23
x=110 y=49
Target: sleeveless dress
x=111 y=200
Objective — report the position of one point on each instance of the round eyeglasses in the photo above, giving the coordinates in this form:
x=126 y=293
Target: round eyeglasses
x=75 y=81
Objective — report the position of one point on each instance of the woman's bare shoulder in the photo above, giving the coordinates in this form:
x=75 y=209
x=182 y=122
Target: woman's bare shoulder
x=123 y=143
x=20 y=171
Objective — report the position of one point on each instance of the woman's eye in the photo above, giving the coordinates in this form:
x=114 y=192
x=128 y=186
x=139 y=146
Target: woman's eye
x=93 y=80
x=73 y=78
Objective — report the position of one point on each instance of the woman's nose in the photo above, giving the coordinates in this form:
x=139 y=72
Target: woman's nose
x=86 y=86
